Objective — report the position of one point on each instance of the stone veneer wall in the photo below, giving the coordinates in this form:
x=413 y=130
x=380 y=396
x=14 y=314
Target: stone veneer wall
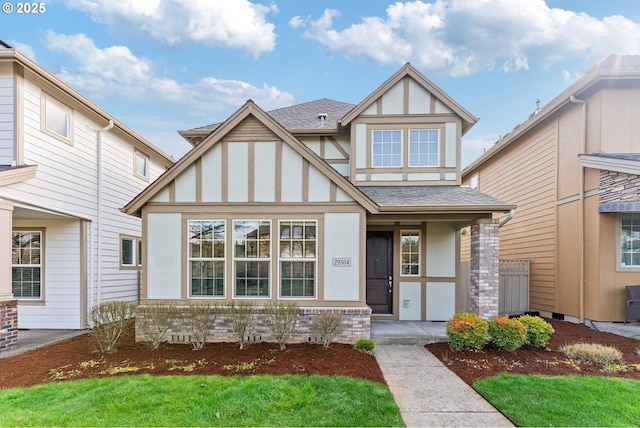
x=8 y=325
x=357 y=325
x=485 y=267
x=619 y=187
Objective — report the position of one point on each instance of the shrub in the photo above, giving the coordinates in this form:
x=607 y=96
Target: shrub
x=241 y=316
x=327 y=327
x=507 y=333
x=109 y=321
x=467 y=331
x=198 y=319
x=365 y=346
x=538 y=330
x=281 y=320
x=592 y=353
x=154 y=321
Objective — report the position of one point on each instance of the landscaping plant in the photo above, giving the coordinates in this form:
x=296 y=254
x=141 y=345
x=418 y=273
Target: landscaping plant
x=198 y=319
x=539 y=331
x=154 y=320
x=592 y=353
x=365 y=346
x=109 y=321
x=327 y=327
x=507 y=333
x=241 y=316
x=467 y=331
x=281 y=320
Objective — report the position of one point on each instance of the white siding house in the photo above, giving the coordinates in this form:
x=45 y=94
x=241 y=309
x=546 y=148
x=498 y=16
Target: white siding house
x=66 y=169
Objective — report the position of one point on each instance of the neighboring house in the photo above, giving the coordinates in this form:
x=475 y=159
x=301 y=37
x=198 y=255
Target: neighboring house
x=66 y=167
x=573 y=170
x=350 y=209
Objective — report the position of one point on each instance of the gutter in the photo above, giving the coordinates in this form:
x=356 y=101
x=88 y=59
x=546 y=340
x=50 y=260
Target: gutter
x=581 y=221
x=508 y=218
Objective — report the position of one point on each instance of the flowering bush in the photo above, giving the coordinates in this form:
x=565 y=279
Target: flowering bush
x=507 y=333
x=538 y=330
x=467 y=331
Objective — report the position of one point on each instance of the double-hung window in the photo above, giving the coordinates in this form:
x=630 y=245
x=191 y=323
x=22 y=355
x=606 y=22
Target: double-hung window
x=424 y=147
x=26 y=264
x=387 y=148
x=206 y=257
x=252 y=257
x=630 y=240
x=298 y=257
x=130 y=252
x=57 y=119
x=410 y=253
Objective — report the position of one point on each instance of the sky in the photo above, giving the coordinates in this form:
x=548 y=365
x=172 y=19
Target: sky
x=160 y=66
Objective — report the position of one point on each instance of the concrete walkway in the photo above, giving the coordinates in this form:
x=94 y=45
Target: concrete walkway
x=429 y=394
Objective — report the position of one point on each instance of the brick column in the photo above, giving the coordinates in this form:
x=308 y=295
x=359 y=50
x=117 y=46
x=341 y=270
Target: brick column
x=484 y=267
x=8 y=305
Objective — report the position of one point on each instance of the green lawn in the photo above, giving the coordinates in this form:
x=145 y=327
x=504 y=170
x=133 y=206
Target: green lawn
x=535 y=400
x=202 y=401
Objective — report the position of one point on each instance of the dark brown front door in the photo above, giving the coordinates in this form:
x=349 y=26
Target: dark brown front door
x=379 y=272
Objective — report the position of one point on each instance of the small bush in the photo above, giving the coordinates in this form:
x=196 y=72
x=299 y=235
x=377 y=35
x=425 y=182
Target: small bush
x=592 y=353
x=507 y=333
x=327 y=327
x=109 y=321
x=198 y=318
x=241 y=315
x=538 y=330
x=365 y=346
x=467 y=331
x=281 y=320
x=154 y=320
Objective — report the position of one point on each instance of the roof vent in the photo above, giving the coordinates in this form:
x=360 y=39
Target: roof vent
x=323 y=118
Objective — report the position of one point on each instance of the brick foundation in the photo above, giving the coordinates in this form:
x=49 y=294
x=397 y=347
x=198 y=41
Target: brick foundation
x=8 y=325
x=485 y=268
x=357 y=325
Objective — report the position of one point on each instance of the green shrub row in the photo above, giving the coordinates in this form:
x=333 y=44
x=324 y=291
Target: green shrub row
x=467 y=331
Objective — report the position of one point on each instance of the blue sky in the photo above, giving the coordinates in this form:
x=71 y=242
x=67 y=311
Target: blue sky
x=160 y=66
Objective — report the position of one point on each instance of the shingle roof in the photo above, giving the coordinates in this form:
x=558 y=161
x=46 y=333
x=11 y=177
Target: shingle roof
x=430 y=196
x=303 y=116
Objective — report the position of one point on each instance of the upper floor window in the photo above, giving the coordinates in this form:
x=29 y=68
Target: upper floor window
x=26 y=264
x=387 y=148
x=142 y=165
x=57 y=119
x=424 y=147
x=630 y=240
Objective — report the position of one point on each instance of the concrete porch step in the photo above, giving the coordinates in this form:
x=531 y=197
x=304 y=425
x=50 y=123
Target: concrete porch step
x=408 y=332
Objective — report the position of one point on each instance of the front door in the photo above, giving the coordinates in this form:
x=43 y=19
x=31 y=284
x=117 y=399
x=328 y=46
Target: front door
x=379 y=272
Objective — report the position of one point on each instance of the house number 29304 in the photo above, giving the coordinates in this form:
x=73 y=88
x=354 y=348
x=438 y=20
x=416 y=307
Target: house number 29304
x=341 y=262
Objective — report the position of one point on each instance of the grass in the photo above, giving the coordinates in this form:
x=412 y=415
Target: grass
x=536 y=400
x=202 y=401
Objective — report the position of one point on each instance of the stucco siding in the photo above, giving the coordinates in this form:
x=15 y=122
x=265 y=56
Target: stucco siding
x=164 y=256
x=441 y=250
x=342 y=240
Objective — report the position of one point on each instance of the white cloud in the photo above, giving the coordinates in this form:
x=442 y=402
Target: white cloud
x=462 y=37
x=116 y=70
x=230 y=24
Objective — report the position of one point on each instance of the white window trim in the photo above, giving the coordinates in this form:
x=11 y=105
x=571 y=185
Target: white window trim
x=419 y=253
x=474 y=181
x=303 y=259
x=46 y=98
x=136 y=154
x=402 y=144
x=137 y=264
x=215 y=259
x=34 y=300
x=437 y=164
x=235 y=259
x=619 y=267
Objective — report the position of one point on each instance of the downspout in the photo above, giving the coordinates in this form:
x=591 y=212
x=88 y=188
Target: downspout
x=99 y=207
x=581 y=221
x=507 y=218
